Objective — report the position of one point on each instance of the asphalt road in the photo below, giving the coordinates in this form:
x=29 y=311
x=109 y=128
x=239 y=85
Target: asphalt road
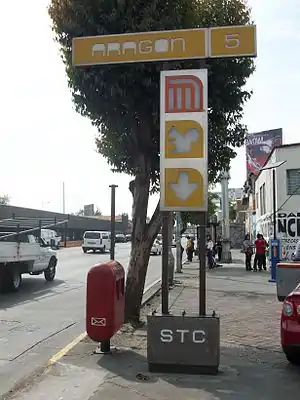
x=44 y=317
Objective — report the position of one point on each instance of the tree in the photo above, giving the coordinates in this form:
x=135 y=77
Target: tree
x=232 y=211
x=98 y=212
x=80 y=213
x=4 y=200
x=193 y=217
x=122 y=100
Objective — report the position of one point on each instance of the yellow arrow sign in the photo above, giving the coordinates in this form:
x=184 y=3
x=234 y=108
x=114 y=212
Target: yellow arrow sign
x=184 y=188
x=165 y=45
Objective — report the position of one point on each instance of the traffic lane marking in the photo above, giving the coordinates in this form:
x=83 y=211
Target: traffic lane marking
x=60 y=354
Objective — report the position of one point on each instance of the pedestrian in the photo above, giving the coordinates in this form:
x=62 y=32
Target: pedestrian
x=210 y=252
x=248 y=251
x=264 y=258
x=190 y=248
x=260 y=253
x=219 y=248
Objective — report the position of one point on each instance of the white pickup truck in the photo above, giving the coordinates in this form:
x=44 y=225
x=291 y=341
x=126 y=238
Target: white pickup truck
x=24 y=254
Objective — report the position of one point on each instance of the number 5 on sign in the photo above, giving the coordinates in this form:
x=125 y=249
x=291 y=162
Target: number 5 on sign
x=233 y=41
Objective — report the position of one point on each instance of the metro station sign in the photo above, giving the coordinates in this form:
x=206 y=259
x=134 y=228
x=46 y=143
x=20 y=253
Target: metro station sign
x=183 y=140
x=230 y=41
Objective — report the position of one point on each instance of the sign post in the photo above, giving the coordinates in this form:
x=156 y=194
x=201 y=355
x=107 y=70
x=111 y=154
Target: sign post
x=178 y=343
x=184 y=343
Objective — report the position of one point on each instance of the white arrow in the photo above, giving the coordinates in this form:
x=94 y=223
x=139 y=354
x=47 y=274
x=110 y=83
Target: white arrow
x=183 y=189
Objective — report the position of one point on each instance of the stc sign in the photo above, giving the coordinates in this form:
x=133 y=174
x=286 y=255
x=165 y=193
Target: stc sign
x=289 y=224
x=196 y=336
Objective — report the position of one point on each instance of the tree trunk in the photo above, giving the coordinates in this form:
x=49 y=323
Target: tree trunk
x=143 y=236
x=171 y=260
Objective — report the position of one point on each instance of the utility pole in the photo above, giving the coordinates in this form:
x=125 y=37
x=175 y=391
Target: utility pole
x=113 y=221
x=226 y=253
x=178 y=243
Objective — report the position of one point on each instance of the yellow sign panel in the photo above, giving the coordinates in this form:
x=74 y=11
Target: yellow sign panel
x=135 y=47
x=233 y=41
x=184 y=139
x=184 y=187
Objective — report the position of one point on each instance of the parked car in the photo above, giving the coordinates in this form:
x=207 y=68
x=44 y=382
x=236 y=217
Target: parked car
x=120 y=238
x=156 y=248
x=290 y=326
x=128 y=238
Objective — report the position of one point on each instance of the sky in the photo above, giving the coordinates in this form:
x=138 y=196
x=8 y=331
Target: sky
x=44 y=142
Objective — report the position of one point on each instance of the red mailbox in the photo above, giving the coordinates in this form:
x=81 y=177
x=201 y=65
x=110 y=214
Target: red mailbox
x=105 y=300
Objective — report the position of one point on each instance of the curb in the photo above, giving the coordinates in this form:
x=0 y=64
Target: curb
x=148 y=295
x=151 y=292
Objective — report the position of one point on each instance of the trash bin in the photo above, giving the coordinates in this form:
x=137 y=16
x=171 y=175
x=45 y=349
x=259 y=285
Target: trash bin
x=287 y=278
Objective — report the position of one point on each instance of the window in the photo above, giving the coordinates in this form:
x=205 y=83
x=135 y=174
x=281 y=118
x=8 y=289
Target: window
x=293 y=181
x=106 y=236
x=92 y=235
x=262 y=199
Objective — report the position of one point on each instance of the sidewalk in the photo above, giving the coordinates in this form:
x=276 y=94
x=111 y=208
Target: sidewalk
x=252 y=364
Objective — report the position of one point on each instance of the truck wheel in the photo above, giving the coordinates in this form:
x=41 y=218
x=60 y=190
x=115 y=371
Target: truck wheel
x=50 y=272
x=84 y=250
x=12 y=280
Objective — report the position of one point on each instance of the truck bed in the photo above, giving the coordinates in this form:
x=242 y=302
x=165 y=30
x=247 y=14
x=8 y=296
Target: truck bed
x=18 y=252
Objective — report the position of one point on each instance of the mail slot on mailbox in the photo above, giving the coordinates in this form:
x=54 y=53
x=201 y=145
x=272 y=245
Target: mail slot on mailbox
x=105 y=301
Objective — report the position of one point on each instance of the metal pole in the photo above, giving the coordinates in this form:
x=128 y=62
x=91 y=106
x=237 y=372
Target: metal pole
x=274 y=203
x=226 y=210
x=113 y=221
x=105 y=346
x=165 y=269
x=202 y=265
x=178 y=244
x=65 y=233
x=64 y=198
x=40 y=229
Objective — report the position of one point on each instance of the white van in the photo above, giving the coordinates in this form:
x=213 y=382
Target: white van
x=51 y=237
x=96 y=240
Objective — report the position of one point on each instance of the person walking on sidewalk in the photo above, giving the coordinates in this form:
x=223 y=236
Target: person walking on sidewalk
x=260 y=253
x=219 y=247
x=210 y=252
x=190 y=248
x=248 y=251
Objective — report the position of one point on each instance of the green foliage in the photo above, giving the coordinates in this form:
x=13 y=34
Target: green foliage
x=122 y=101
x=193 y=217
x=4 y=200
x=232 y=211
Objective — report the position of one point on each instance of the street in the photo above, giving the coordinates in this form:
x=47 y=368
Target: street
x=44 y=317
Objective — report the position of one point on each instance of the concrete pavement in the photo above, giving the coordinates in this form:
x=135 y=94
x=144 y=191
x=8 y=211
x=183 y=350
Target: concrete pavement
x=44 y=317
x=252 y=364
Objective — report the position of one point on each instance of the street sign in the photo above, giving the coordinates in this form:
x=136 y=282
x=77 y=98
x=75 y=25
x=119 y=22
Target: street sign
x=232 y=41
x=183 y=140
x=183 y=344
x=184 y=44
x=136 y=47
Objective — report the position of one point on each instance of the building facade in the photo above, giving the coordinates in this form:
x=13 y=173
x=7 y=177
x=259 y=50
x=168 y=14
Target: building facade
x=287 y=198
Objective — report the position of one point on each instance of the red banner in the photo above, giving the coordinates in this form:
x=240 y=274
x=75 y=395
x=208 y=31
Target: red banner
x=259 y=146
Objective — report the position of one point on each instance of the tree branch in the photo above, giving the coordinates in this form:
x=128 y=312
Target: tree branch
x=153 y=227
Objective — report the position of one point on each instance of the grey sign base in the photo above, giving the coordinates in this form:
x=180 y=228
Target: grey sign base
x=183 y=344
